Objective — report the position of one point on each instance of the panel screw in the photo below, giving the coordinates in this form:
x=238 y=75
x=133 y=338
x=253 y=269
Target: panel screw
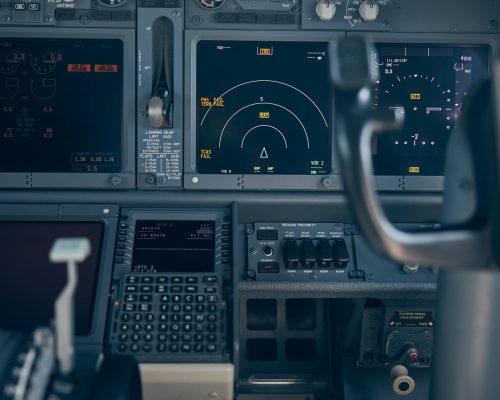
x=115 y=180
x=150 y=179
x=493 y=24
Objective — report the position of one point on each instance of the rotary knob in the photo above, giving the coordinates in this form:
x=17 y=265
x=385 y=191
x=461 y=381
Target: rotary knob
x=325 y=9
x=409 y=268
x=368 y=11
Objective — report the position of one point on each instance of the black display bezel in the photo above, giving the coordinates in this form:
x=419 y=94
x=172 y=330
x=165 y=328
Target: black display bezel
x=105 y=214
x=125 y=177
x=193 y=179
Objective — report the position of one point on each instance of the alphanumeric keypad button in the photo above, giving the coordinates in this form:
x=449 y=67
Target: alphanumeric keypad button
x=186 y=337
x=161 y=348
x=198 y=347
x=174 y=337
x=211 y=348
x=191 y=289
x=211 y=337
x=145 y=307
x=199 y=328
x=149 y=327
x=148 y=337
x=147 y=348
x=161 y=279
x=176 y=308
x=122 y=337
x=176 y=279
x=200 y=308
x=187 y=318
x=175 y=327
x=173 y=348
x=135 y=337
x=176 y=289
x=163 y=308
x=211 y=327
x=147 y=279
x=188 y=298
x=200 y=298
x=134 y=347
x=212 y=318
x=146 y=289
x=175 y=318
x=136 y=327
x=122 y=347
x=124 y=327
x=190 y=280
x=162 y=337
x=137 y=317
x=199 y=317
x=161 y=289
x=176 y=298
x=129 y=307
x=211 y=308
x=163 y=318
x=125 y=317
x=163 y=327
x=132 y=279
x=186 y=348
x=165 y=298
x=210 y=289
x=145 y=298
x=210 y=279
x=187 y=327
x=198 y=337
x=130 y=298
x=212 y=298
x=188 y=308
x=149 y=317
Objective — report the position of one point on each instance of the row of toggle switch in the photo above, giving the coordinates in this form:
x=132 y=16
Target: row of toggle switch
x=308 y=253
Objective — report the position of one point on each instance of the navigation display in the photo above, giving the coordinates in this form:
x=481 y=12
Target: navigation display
x=30 y=283
x=263 y=108
x=174 y=246
x=61 y=105
x=428 y=84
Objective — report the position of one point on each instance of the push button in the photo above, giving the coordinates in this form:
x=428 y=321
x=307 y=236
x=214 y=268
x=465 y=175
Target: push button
x=268 y=267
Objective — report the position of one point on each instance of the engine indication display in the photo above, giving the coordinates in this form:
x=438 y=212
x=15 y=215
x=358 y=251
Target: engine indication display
x=61 y=105
x=263 y=108
x=428 y=84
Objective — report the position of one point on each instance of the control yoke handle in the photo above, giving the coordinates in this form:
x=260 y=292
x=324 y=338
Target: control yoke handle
x=355 y=125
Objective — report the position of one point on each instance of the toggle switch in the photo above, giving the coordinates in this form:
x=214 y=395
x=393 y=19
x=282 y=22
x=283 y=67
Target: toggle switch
x=325 y=254
x=291 y=253
x=341 y=253
x=308 y=253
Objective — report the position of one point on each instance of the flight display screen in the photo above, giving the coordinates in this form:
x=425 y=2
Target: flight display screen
x=428 y=84
x=174 y=246
x=263 y=108
x=30 y=282
x=61 y=105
